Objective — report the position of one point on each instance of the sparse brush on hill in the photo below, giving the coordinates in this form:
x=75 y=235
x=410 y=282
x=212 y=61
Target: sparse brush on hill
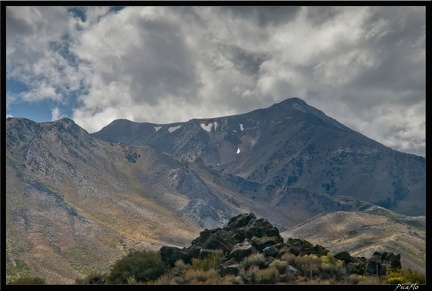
x=258 y=257
x=138 y=266
x=28 y=280
x=289 y=269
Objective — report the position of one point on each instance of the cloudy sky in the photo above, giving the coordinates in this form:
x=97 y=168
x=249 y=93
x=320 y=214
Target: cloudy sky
x=362 y=65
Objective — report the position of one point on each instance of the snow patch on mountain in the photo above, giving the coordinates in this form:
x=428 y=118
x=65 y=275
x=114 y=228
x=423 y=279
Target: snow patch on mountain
x=173 y=128
x=299 y=107
x=207 y=127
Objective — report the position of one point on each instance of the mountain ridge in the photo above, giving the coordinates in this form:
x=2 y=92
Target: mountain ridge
x=78 y=202
x=289 y=143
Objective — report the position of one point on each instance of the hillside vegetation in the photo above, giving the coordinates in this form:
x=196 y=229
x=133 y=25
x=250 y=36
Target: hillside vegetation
x=363 y=233
x=249 y=250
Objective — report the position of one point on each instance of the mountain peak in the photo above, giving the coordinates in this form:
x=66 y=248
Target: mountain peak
x=293 y=103
x=65 y=124
x=293 y=100
x=66 y=120
x=290 y=102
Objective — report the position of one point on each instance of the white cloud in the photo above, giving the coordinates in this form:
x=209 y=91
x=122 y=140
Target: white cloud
x=170 y=64
x=56 y=114
x=31 y=58
x=399 y=127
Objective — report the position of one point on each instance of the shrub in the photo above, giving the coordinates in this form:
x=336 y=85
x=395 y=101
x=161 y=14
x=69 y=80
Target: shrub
x=179 y=268
x=371 y=280
x=194 y=276
x=281 y=266
x=212 y=261
x=256 y=259
x=93 y=278
x=255 y=275
x=143 y=266
x=234 y=280
x=268 y=275
x=200 y=271
x=333 y=266
x=249 y=276
x=403 y=276
x=289 y=258
x=354 y=279
x=30 y=280
x=308 y=264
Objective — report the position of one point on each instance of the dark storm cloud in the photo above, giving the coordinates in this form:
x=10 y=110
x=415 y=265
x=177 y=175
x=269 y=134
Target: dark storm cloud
x=393 y=47
x=362 y=65
x=262 y=15
x=162 y=64
x=247 y=62
x=16 y=25
x=319 y=15
x=396 y=49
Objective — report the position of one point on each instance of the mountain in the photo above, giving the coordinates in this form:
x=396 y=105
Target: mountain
x=289 y=144
x=75 y=203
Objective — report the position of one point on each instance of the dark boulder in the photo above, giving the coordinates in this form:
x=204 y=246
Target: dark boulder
x=240 y=221
x=270 y=251
x=301 y=247
x=242 y=250
x=173 y=254
x=260 y=243
x=374 y=267
x=391 y=260
x=344 y=256
x=217 y=241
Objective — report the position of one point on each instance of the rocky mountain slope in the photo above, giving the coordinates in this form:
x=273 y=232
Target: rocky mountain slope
x=374 y=229
x=289 y=144
x=76 y=202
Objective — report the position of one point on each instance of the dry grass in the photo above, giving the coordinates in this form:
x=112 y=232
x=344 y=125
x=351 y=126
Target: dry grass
x=362 y=234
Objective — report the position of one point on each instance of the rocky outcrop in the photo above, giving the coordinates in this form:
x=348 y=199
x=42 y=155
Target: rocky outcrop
x=245 y=234
x=376 y=265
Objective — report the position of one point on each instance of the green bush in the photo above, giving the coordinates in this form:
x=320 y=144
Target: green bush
x=289 y=258
x=197 y=276
x=212 y=261
x=92 y=279
x=267 y=276
x=256 y=259
x=281 y=266
x=404 y=276
x=143 y=266
x=28 y=280
x=179 y=268
x=308 y=264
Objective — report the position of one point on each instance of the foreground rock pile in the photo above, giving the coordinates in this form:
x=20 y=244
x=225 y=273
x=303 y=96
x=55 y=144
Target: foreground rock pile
x=245 y=235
